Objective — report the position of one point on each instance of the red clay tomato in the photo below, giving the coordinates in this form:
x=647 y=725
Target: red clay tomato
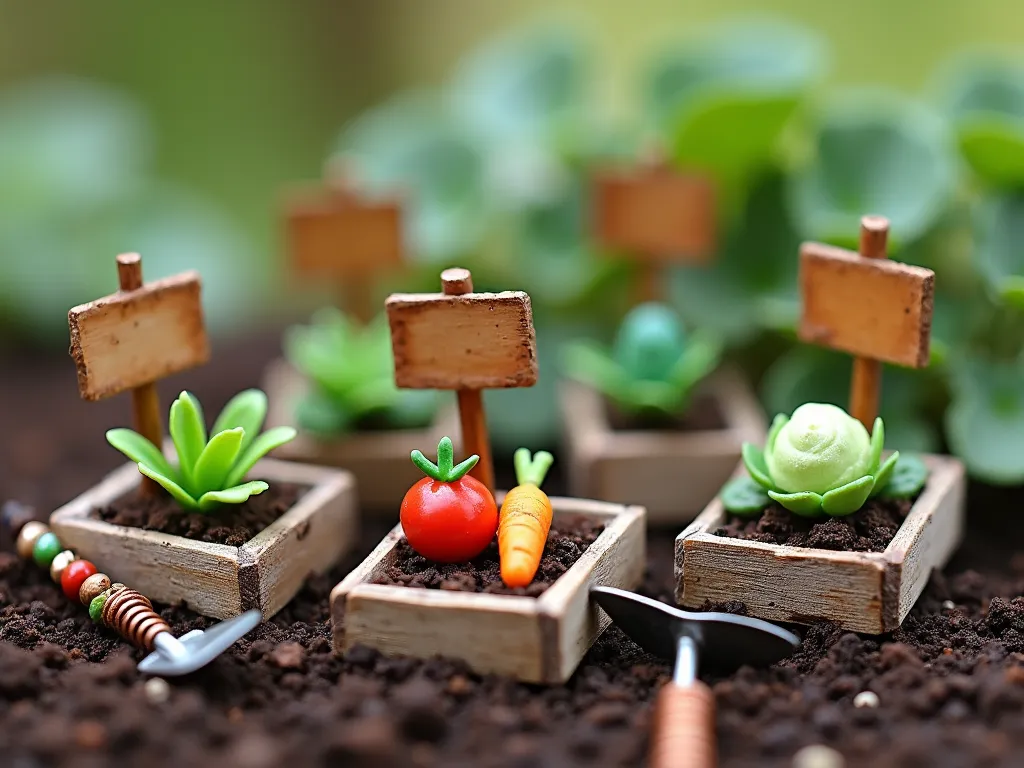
x=448 y=516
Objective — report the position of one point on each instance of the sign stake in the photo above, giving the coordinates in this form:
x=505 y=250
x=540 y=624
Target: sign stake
x=866 y=381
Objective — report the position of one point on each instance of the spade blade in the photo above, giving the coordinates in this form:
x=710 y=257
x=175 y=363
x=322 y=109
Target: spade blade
x=726 y=641
x=202 y=647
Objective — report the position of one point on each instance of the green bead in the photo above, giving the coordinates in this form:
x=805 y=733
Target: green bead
x=96 y=606
x=47 y=547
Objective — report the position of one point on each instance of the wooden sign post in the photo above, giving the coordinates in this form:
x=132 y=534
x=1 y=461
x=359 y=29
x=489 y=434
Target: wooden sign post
x=335 y=234
x=137 y=336
x=658 y=216
x=875 y=309
x=467 y=342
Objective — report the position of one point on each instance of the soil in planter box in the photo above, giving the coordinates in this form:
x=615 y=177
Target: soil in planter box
x=230 y=525
x=870 y=529
x=567 y=541
x=703 y=415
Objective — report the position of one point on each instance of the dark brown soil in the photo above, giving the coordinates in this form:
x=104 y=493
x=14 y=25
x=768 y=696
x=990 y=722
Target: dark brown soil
x=950 y=683
x=870 y=529
x=565 y=545
x=702 y=415
x=231 y=525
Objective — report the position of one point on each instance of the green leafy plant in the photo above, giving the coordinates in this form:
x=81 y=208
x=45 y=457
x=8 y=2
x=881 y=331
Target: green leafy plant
x=875 y=152
x=352 y=373
x=820 y=462
x=652 y=366
x=210 y=472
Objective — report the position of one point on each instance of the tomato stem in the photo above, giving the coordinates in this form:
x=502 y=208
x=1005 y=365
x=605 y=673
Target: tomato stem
x=444 y=471
x=531 y=471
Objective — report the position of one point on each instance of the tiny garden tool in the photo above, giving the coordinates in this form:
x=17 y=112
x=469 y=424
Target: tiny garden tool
x=684 y=721
x=120 y=608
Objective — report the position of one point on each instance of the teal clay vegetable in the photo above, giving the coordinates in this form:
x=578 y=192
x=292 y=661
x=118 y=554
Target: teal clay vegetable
x=652 y=366
x=821 y=461
x=351 y=370
x=209 y=472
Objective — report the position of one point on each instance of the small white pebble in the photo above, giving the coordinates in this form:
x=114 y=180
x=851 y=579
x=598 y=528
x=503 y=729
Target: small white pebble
x=818 y=756
x=948 y=605
x=157 y=690
x=866 y=699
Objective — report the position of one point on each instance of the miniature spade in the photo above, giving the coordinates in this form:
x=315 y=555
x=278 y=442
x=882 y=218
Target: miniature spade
x=193 y=650
x=684 y=721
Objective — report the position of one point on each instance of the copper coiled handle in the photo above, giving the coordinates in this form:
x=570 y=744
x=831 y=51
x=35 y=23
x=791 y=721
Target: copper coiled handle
x=131 y=615
x=684 y=728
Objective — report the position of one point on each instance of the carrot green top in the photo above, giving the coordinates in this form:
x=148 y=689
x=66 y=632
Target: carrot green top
x=444 y=471
x=531 y=471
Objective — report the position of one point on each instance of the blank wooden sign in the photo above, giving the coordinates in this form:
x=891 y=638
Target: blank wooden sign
x=656 y=214
x=335 y=234
x=132 y=338
x=871 y=308
x=472 y=341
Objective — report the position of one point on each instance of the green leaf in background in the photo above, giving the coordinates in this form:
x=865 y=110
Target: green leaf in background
x=808 y=374
x=76 y=192
x=985 y=101
x=1000 y=243
x=908 y=477
x=752 y=283
x=723 y=100
x=879 y=153
x=742 y=496
x=985 y=421
x=526 y=88
x=412 y=145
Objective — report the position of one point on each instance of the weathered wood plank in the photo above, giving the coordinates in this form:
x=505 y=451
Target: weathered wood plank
x=472 y=341
x=132 y=338
x=872 y=308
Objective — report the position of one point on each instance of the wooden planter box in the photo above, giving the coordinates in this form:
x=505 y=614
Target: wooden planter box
x=378 y=460
x=862 y=591
x=215 y=579
x=672 y=474
x=540 y=640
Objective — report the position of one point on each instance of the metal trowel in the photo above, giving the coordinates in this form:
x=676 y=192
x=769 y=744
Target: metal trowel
x=683 y=733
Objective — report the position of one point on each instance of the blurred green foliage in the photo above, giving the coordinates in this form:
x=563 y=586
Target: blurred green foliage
x=76 y=189
x=499 y=160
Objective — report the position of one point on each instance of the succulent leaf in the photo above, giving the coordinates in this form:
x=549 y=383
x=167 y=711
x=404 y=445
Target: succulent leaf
x=188 y=433
x=753 y=460
x=258 y=448
x=742 y=496
x=217 y=458
x=909 y=476
x=803 y=503
x=140 y=450
x=848 y=498
x=884 y=474
x=247 y=410
x=238 y=494
x=180 y=495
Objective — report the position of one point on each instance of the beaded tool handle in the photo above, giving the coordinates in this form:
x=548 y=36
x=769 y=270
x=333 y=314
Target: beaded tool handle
x=113 y=605
x=124 y=610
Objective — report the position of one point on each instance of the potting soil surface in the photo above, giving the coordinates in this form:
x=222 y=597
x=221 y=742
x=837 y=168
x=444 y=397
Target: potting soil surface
x=869 y=529
x=948 y=687
x=232 y=525
x=567 y=541
x=703 y=414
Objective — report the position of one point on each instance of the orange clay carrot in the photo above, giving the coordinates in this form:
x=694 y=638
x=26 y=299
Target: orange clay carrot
x=524 y=520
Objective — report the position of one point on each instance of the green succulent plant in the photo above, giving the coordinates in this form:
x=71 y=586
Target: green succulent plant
x=652 y=365
x=821 y=461
x=210 y=472
x=352 y=372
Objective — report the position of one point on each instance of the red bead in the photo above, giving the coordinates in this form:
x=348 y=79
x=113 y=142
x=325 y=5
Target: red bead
x=73 y=576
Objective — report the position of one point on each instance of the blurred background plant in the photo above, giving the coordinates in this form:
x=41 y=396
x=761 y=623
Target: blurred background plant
x=496 y=147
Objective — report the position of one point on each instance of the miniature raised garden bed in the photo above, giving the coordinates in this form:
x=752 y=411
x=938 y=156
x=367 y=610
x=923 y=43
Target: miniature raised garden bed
x=672 y=473
x=862 y=591
x=378 y=458
x=216 y=579
x=535 y=639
